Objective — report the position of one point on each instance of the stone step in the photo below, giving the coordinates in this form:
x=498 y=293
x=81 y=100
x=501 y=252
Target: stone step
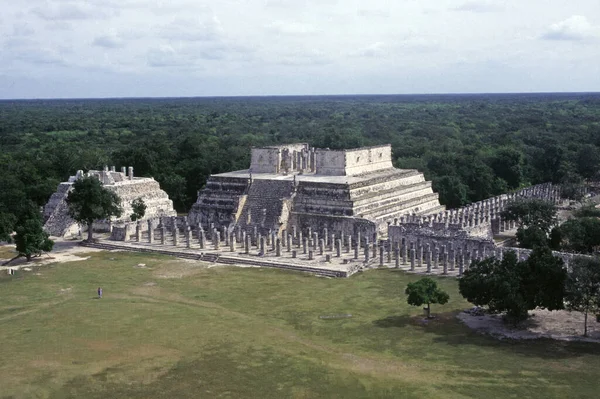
x=377 y=204
x=401 y=207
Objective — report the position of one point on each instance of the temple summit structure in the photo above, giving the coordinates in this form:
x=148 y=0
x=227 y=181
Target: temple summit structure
x=344 y=191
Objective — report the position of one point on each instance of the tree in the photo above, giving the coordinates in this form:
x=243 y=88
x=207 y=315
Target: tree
x=31 y=239
x=580 y=234
x=7 y=223
x=515 y=287
x=531 y=212
x=531 y=237
x=90 y=201
x=453 y=193
x=425 y=291
x=582 y=288
x=139 y=209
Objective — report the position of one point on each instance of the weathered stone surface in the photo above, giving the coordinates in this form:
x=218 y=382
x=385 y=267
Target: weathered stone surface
x=57 y=221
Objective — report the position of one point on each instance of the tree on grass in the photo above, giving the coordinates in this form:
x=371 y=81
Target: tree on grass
x=582 y=289
x=139 y=209
x=90 y=201
x=31 y=239
x=515 y=287
x=425 y=291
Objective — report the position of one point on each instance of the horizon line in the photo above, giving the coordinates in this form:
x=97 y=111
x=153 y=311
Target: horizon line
x=305 y=95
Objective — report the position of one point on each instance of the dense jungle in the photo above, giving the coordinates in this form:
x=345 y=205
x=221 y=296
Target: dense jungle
x=471 y=146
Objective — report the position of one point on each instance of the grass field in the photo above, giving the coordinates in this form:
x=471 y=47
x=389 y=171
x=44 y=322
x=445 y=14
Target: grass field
x=181 y=330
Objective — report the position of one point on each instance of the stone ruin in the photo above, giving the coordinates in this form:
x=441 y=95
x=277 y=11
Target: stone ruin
x=318 y=210
x=347 y=191
x=57 y=221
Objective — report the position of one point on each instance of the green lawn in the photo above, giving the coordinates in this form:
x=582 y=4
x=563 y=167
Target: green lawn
x=181 y=330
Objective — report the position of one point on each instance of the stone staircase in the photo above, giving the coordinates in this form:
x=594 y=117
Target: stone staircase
x=264 y=203
x=56 y=212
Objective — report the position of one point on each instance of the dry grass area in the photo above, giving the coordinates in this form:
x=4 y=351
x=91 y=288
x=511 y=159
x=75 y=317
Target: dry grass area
x=558 y=324
x=173 y=329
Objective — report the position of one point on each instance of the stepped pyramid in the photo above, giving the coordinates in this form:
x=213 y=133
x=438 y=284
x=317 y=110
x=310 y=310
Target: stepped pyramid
x=57 y=221
x=346 y=192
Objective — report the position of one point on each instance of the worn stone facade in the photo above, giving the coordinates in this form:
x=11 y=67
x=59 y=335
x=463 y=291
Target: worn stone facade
x=57 y=221
x=346 y=191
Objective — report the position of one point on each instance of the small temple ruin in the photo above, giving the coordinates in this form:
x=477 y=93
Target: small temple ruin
x=57 y=221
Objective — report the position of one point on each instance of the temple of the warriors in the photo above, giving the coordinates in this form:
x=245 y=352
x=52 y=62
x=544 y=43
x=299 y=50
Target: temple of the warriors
x=56 y=217
x=346 y=191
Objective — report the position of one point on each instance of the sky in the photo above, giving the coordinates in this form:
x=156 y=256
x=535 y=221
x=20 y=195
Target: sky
x=181 y=48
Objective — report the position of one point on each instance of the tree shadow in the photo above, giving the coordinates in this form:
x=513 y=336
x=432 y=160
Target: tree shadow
x=447 y=329
x=394 y=321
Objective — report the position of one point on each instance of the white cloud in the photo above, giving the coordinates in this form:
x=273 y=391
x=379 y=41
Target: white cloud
x=575 y=28
x=480 y=6
x=292 y=28
x=68 y=11
x=200 y=28
x=108 y=41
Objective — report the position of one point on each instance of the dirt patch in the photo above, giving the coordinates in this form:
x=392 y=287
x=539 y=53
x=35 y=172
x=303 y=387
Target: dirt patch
x=557 y=324
x=178 y=270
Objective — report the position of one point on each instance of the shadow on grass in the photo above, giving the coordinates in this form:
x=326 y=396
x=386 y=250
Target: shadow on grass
x=450 y=331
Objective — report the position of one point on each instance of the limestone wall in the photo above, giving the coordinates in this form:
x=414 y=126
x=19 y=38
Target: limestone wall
x=58 y=223
x=353 y=162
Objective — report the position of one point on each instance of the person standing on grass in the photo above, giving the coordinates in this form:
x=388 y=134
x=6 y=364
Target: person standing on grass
x=99 y=293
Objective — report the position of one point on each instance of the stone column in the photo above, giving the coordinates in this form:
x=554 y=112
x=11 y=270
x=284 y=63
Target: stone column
x=288 y=246
x=404 y=254
x=389 y=251
x=278 y=247
x=349 y=247
x=358 y=240
x=201 y=238
x=381 y=255
x=300 y=240
x=304 y=245
x=420 y=255
x=461 y=264
x=294 y=254
x=294 y=232
x=246 y=244
x=332 y=242
x=310 y=255
x=321 y=246
x=412 y=259
x=397 y=256
x=163 y=234
x=150 y=232
x=217 y=240
x=452 y=259
x=445 y=260
x=262 y=245
x=315 y=240
x=273 y=239
x=138 y=232
x=175 y=234
x=188 y=237
x=374 y=250
x=367 y=249
x=231 y=242
x=338 y=247
x=325 y=237
x=356 y=247
x=436 y=257
x=428 y=257
x=226 y=235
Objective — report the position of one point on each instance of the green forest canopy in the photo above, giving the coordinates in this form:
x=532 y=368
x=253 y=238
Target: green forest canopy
x=471 y=146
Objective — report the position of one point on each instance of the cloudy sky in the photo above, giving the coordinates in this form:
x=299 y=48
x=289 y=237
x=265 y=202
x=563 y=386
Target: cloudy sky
x=138 y=48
